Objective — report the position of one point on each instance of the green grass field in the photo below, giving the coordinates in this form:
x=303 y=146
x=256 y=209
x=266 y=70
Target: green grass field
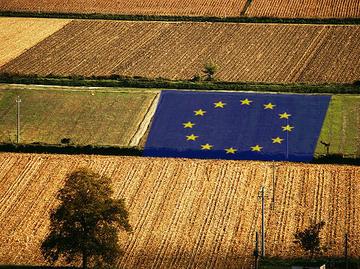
x=341 y=127
x=112 y=116
x=86 y=116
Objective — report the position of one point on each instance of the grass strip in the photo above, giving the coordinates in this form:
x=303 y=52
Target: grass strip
x=127 y=151
x=128 y=17
x=140 y=82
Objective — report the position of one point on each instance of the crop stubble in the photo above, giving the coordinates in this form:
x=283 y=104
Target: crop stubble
x=218 y=8
x=19 y=34
x=185 y=213
x=304 y=8
x=243 y=52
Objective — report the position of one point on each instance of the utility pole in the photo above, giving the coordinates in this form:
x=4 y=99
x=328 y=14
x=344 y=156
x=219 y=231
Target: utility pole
x=346 y=251
x=256 y=251
x=262 y=222
x=18 y=101
x=273 y=185
x=287 y=140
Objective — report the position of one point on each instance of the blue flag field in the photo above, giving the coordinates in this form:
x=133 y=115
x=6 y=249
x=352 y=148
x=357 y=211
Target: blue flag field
x=239 y=126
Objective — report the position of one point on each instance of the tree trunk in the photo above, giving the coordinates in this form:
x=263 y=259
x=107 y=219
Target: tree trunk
x=84 y=260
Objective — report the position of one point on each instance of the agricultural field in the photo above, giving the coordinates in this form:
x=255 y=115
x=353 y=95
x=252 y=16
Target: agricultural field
x=19 y=34
x=120 y=116
x=341 y=127
x=281 y=53
x=304 y=8
x=86 y=116
x=218 y=8
x=210 y=220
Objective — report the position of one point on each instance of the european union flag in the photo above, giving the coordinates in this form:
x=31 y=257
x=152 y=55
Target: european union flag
x=245 y=126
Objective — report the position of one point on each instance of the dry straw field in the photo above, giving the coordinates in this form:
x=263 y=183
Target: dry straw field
x=243 y=52
x=185 y=213
x=305 y=8
x=218 y=8
x=19 y=34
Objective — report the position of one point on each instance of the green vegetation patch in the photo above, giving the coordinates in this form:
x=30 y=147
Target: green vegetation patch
x=85 y=116
x=331 y=262
x=241 y=19
x=141 y=82
x=341 y=128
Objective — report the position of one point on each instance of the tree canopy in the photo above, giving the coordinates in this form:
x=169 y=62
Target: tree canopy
x=209 y=70
x=85 y=225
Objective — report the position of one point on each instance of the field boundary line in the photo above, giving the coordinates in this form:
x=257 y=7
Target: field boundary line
x=174 y=18
x=40 y=87
x=145 y=122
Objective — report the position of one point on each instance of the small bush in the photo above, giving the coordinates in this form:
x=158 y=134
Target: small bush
x=196 y=78
x=65 y=141
x=209 y=70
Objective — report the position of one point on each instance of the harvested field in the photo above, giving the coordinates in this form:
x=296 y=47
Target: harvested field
x=19 y=34
x=305 y=8
x=185 y=213
x=219 y=8
x=86 y=116
x=243 y=52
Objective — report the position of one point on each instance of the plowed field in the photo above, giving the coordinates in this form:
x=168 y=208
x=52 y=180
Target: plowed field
x=19 y=34
x=219 y=8
x=243 y=52
x=185 y=213
x=305 y=8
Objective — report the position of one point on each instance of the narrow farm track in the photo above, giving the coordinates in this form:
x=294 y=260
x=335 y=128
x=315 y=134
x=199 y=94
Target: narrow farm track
x=185 y=213
x=178 y=50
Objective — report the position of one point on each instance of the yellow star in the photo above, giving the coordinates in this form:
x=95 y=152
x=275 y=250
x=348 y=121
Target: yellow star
x=277 y=140
x=287 y=128
x=191 y=137
x=269 y=106
x=206 y=146
x=199 y=112
x=284 y=115
x=256 y=148
x=230 y=151
x=219 y=104
x=188 y=124
x=245 y=102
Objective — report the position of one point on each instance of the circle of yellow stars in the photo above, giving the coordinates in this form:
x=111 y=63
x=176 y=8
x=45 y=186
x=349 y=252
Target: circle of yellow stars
x=245 y=102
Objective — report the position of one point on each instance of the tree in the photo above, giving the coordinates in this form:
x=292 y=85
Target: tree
x=84 y=227
x=309 y=239
x=210 y=70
